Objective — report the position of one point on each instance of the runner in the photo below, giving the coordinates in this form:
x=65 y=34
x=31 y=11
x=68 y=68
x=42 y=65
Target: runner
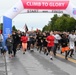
x=9 y=44
x=44 y=43
x=39 y=41
x=72 y=43
x=18 y=39
x=64 y=45
x=50 y=44
x=56 y=41
x=24 y=40
x=28 y=42
x=14 y=36
x=32 y=38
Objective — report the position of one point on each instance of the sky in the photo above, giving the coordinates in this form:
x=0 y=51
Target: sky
x=33 y=20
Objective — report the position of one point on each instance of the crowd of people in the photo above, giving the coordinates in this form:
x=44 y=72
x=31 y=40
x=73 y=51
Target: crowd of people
x=48 y=42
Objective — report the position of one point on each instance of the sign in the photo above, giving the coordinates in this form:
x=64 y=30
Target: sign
x=7 y=27
x=43 y=11
x=45 y=4
x=74 y=11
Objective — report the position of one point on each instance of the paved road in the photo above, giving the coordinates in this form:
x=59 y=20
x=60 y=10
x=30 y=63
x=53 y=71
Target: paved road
x=36 y=63
x=2 y=65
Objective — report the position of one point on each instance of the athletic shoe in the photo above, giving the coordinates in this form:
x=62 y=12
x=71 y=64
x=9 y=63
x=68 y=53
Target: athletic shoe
x=23 y=52
x=47 y=53
x=51 y=58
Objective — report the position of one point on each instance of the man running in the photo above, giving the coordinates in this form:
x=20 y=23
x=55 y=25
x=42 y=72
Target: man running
x=50 y=44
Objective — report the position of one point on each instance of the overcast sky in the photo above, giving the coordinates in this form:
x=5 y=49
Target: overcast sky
x=33 y=20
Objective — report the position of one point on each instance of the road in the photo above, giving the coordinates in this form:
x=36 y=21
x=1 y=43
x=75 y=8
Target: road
x=35 y=63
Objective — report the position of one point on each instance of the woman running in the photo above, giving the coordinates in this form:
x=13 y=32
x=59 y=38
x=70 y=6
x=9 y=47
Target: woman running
x=24 y=40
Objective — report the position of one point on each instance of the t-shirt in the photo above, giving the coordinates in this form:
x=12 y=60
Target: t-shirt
x=24 y=39
x=32 y=36
x=57 y=38
x=50 y=41
x=72 y=38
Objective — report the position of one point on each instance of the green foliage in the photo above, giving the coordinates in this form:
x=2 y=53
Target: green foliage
x=62 y=23
x=52 y=23
x=14 y=28
x=1 y=26
x=46 y=28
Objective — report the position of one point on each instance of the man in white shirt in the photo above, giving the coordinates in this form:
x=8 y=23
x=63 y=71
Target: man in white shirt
x=71 y=43
x=56 y=41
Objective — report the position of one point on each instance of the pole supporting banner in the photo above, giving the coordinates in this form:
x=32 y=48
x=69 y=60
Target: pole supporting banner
x=7 y=27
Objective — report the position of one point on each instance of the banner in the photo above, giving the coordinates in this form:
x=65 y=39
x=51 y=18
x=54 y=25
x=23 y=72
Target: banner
x=71 y=10
x=7 y=27
x=45 y=4
x=15 y=10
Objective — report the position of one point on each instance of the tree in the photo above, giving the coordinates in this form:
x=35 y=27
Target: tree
x=50 y=25
x=65 y=23
x=46 y=28
x=14 y=28
x=72 y=24
x=53 y=19
x=62 y=23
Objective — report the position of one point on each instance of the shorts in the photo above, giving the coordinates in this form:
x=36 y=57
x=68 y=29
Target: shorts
x=64 y=49
x=32 y=42
x=50 y=48
x=44 y=44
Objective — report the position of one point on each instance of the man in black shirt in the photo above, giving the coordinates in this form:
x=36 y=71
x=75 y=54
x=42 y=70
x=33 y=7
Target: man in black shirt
x=14 y=35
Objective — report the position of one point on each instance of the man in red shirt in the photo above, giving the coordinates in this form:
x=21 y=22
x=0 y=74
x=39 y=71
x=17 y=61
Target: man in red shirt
x=50 y=44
